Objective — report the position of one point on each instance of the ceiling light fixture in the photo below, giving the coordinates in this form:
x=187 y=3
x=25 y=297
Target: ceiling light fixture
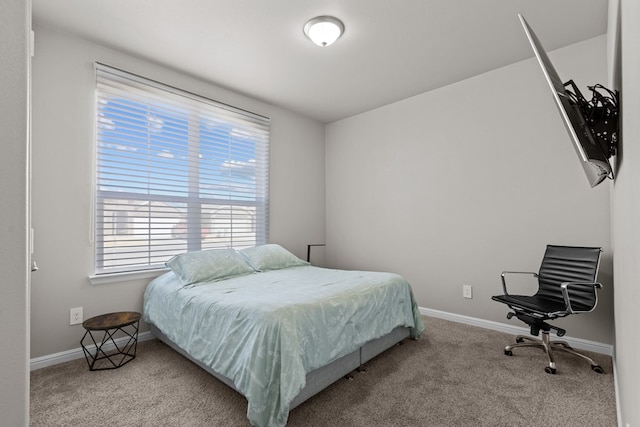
x=324 y=30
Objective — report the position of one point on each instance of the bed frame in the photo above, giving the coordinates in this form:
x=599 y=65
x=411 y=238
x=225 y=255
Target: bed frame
x=318 y=379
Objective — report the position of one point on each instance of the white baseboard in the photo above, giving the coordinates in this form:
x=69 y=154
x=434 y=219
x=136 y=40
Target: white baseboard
x=65 y=356
x=578 y=343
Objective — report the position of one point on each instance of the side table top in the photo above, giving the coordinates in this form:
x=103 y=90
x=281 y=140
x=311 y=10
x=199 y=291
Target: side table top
x=111 y=320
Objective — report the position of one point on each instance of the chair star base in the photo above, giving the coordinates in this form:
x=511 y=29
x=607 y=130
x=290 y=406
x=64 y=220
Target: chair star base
x=548 y=346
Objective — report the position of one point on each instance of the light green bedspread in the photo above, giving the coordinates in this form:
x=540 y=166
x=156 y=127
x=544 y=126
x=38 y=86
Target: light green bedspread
x=265 y=331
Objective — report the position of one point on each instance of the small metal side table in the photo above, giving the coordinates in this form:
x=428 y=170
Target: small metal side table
x=114 y=326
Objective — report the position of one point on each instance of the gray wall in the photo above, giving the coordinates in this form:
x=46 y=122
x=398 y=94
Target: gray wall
x=453 y=186
x=626 y=221
x=63 y=93
x=15 y=24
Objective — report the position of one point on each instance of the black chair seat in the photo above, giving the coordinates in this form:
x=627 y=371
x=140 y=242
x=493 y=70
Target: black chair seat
x=531 y=302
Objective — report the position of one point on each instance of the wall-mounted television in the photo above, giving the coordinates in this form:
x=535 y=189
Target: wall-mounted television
x=592 y=124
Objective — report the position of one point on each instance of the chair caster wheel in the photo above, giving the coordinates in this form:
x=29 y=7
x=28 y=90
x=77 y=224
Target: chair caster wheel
x=549 y=370
x=598 y=369
x=519 y=339
x=508 y=352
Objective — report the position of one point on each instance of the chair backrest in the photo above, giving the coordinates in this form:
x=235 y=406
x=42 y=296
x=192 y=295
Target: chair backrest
x=569 y=264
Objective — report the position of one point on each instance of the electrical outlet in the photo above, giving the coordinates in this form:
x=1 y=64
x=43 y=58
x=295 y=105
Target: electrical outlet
x=467 y=291
x=75 y=315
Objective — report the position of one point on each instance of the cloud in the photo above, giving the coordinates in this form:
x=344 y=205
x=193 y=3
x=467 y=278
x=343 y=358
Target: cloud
x=166 y=154
x=154 y=124
x=105 y=123
x=240 y=167
x=119 y=147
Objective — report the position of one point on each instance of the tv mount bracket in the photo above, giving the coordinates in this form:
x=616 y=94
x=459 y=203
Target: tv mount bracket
x=601 y=113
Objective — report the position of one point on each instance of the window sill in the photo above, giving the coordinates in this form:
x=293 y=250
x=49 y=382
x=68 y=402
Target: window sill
x=100 y=279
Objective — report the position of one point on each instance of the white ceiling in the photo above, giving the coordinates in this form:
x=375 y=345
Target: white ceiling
x=391 y=50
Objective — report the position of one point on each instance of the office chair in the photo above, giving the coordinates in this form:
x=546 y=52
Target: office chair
x=566 y=285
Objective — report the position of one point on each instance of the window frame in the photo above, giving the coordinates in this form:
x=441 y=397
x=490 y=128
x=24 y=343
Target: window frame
x=194 y=199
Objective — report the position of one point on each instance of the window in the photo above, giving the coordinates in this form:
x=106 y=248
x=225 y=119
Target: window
x=175 y=172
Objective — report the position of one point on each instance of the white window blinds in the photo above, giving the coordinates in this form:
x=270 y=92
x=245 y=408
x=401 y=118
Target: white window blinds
x=175 y=172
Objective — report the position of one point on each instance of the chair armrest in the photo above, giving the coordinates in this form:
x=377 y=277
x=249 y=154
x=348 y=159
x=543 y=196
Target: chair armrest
x=567 y=299
x=504 y=281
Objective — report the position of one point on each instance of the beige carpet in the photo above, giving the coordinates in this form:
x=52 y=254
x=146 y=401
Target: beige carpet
x=454 y=375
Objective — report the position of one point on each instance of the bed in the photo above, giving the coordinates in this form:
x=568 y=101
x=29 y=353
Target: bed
x=273 y=327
